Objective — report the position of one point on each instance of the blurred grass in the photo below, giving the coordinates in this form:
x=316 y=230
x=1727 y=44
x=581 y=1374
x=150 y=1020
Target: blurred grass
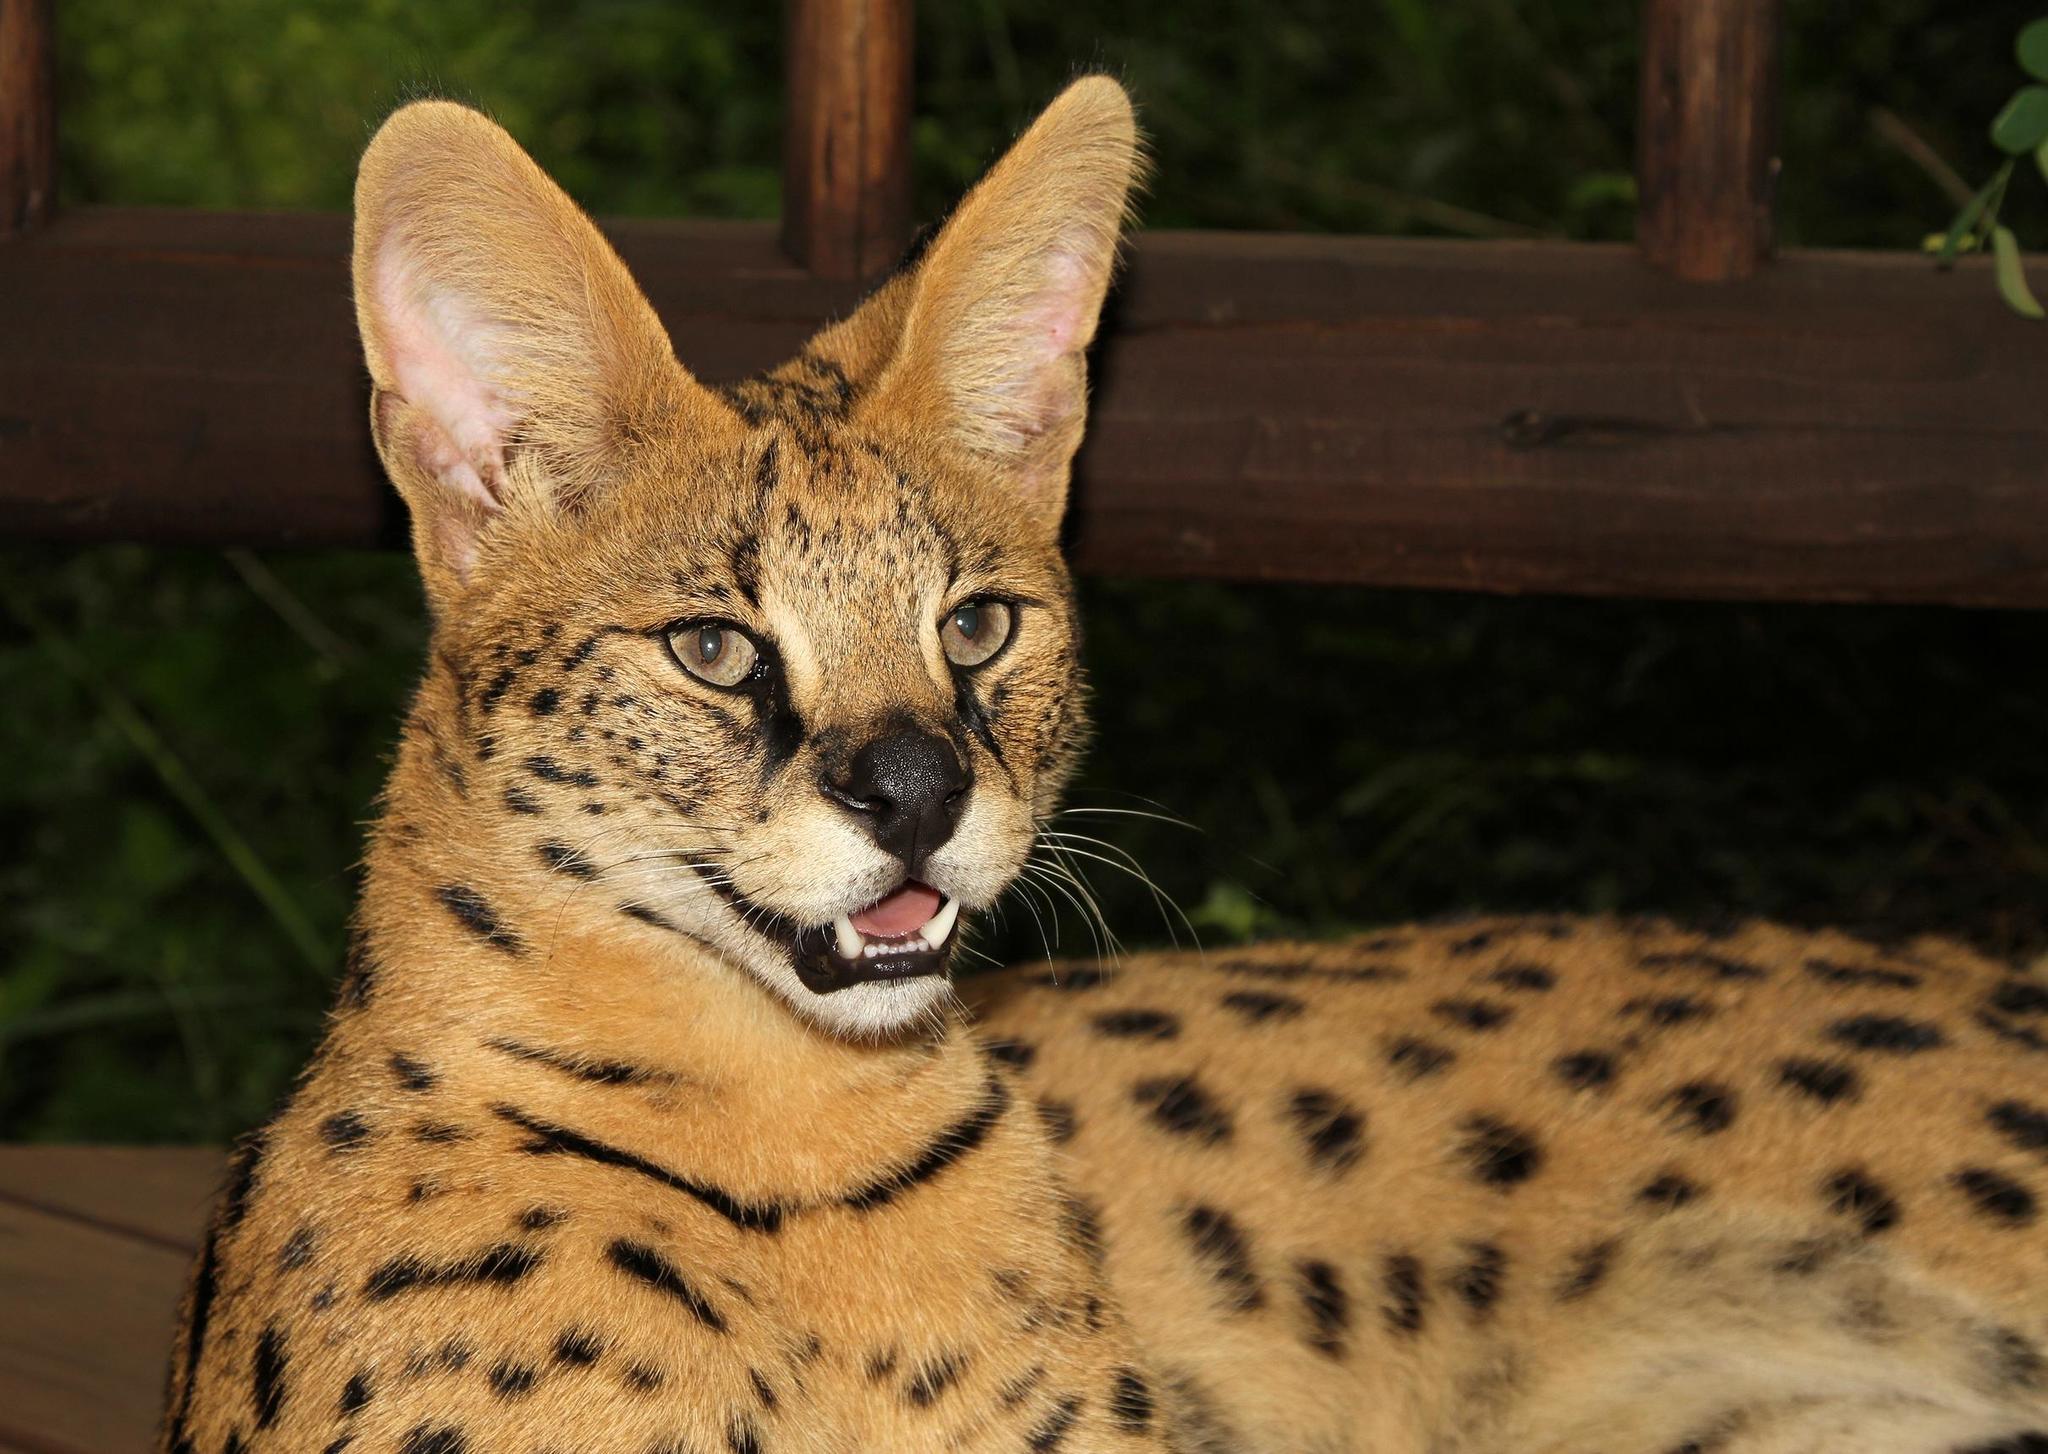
x=192 y=739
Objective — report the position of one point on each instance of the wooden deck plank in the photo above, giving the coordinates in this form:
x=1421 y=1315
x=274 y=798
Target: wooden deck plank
x=86 y=1317
x=156 y=1194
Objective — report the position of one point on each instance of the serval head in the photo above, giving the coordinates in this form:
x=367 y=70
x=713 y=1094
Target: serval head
x=788 y=667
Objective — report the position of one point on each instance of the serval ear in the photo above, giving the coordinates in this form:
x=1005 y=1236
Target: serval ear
x=512 y=359
x=998 y=316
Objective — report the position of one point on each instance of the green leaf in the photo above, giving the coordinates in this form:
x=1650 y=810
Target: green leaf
x=2012 y=278
x=2023 y=124
x=2033 y=49
x=1974 y=212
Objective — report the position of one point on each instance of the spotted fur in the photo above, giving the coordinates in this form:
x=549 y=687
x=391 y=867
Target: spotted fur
x=583 y=1164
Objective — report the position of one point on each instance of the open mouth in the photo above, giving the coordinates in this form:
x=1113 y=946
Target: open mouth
x=906 y=933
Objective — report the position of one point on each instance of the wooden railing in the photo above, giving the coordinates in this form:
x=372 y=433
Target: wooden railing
x=1494 y=416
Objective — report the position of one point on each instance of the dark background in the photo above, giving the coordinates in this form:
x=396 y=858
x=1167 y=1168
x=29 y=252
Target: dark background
x=190 y=741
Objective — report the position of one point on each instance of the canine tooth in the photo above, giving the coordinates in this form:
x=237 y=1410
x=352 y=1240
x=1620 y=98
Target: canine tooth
x=941 y=924
x=849 y=937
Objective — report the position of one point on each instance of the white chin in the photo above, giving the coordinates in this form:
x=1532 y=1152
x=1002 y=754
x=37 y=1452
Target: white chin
x=870 y=1011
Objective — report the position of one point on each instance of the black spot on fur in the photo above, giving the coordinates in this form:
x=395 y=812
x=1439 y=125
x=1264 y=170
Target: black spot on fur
x=1585 y=1069
x=1416 y=1059
x=1472 y=1014
x=1499 y=1154
x=500 y=1265
x=356 y=1393
x=519 y=800
x=1406 y=1299
x=434 y=1439
x=1997 y=1196
x=2033 y=1441
x=412 y=1075
x=579 y=1067
x=1714 y=966
x=539 y=1219
x=439 y=1133
x=576 y=1348
x=1889 y=1034
x=1700 y=1108
x=248 y=1159
x=269 y=1388
x=1588 y=1269
x=1830 y=971
x=297 y=1250
x=1332 y=1130
x=550 y=771
x=1472 y=943
x=763 y=1389
x=1052 y=1429
x=1327 y=1305
x=2020 y=997
x=475 y=914
x=561 y=858
x=1183 y=1107
x=643 y=1264
x=1258 y=1006
x=344 y=1131
x=544 y=702
x=1130 y=1401
x=1665 y=1011
x=1477 y=1281
x=1084 y=1226
x=1531 y=977
x=2016 y=1360
x=1015 y=1053
x=934 y=1378
x=2025 y=1126
x=512 y=1380
x=1828 y=1082
x=1060 y=1121
x=1224 y=1250
x=1668 y=1192
x=1853 y=1193
x=642 y=1378
x=1137 y=1025
x=552 y=1140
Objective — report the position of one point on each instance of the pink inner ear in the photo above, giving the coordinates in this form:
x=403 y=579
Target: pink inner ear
x=1036 y=387
x=442 y=355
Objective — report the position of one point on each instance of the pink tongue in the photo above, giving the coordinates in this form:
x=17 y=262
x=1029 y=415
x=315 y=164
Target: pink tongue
x=909 y=908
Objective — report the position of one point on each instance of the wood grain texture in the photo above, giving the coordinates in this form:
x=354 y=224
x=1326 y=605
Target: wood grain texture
x=1707 y=164
x=846 y=136
x=28 y=116
x=87 y=1309
x=1486 y=416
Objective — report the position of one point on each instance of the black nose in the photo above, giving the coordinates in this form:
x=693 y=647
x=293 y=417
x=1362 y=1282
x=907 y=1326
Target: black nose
x=907 y=787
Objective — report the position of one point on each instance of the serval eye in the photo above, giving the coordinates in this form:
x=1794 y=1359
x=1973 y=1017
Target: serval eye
x=714 y=652
x=974 y=632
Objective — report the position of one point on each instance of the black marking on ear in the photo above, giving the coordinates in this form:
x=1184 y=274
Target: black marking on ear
x=476 y=915
x=268 y=1386
x=1222 y=1247
x=550 y=771
x=1997 y=1196
x=500 y=1265
x=1890 y=1034
x=551 y=1140
x=412 y=1075
x=1477 y=1281
x=1052 y=1430
x=1327 y=1304
x=561 y=858
x=1332 y=1130
x=643 y=1264
x=767 y=475
x=1407 y=1300
x=1828 y=1082
x=955 y=1142
x=1182 y=1106
x=1853 y=1193
x=579 y=1066
x=1499 y=1154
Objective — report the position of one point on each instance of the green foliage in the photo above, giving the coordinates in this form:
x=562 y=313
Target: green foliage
x=193 y=739
x=2020 y=128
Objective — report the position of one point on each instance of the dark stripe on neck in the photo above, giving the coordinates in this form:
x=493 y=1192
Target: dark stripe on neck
x=553 y=1140
x=951 y=1145
x=581 y=1067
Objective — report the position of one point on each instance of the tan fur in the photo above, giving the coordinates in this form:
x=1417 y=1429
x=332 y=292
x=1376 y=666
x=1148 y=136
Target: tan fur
x=582 y=1165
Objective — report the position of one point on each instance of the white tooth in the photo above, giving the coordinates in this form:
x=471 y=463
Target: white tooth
x=941 y=924
x=849 y=937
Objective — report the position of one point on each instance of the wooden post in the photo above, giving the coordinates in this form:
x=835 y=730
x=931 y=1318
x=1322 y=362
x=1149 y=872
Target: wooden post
x=28 y=117
x=1706 y=158
x=846 y=150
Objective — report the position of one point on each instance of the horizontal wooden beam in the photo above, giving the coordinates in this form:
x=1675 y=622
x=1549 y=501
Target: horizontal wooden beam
x=1487 y=416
